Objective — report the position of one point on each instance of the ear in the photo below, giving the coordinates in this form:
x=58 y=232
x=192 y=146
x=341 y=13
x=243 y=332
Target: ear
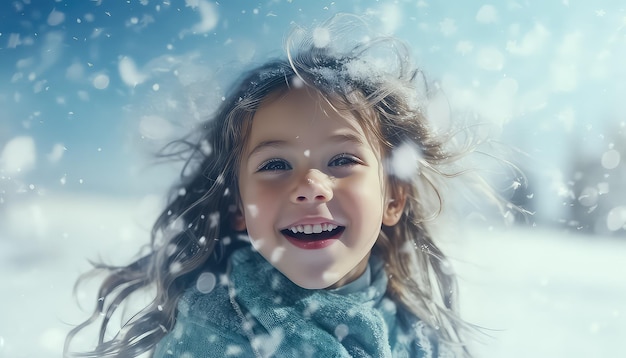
x=395 y=201
x=238 y=220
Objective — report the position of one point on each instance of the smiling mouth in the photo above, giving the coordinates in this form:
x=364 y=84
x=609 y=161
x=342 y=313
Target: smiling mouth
x=313 y=236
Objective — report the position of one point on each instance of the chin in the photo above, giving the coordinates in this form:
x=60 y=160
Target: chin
x=315 y=283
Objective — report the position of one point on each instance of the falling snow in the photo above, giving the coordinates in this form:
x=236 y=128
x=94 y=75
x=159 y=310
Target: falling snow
x=616 y=219
x=611 y=159
x=101 y=81
x=18 y=155
x=155 y=127
x=252 y=210
x=129 y=72
x=405 y=161
x=206 y=282
x=487 y=14
x=56 y=154
x=90 y=91
x=277 y=254
x=341 y=331
x=321 y=37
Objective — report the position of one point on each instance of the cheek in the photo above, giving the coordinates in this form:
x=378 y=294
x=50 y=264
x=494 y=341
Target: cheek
x=365 y=200
x=369 y=188
x=259 y=204
x=258 y=193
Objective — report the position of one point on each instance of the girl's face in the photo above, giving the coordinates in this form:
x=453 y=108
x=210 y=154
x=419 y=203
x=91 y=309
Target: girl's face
x=312 y=191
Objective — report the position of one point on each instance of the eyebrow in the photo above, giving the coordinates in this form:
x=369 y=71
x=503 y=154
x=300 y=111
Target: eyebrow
x=336 y=138
x=346 y=137
x=267 y=144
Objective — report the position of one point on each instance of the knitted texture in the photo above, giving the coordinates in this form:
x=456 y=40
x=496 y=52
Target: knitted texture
x=257 y=311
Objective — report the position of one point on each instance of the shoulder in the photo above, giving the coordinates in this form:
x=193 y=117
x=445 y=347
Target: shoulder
x=209 y=308
x=415 y=336
x=428 y=343
x=208 y=302
x=206 y=325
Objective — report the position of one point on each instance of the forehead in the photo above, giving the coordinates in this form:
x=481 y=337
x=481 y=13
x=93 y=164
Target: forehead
x=306 y=111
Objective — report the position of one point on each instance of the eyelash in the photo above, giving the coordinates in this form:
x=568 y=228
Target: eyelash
x=270 y=165
x=265 y=166
x=350 y=158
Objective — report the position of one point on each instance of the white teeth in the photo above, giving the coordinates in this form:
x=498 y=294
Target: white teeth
x=312 y=229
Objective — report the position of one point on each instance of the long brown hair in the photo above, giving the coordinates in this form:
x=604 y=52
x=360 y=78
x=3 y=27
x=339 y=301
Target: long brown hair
x=194 y=232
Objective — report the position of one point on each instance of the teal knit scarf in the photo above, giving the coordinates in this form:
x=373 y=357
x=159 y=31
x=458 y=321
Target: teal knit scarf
x=282 y=319
x=256 y=311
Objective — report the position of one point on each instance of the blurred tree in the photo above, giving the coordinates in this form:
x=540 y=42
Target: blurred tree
x=599 y=185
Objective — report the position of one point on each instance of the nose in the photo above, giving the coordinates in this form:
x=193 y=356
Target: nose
x=313 y=187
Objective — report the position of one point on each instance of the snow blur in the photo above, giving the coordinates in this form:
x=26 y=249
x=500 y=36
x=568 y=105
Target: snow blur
x=91 y=91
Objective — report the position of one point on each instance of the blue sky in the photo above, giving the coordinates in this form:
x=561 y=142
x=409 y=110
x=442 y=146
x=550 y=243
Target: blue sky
x=88 y=89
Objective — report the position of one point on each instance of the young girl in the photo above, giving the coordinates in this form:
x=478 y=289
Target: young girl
x=305 y=213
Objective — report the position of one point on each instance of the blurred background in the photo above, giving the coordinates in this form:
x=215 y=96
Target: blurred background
x=90 y=90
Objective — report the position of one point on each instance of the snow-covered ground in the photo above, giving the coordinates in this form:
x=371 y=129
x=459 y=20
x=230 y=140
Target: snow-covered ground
x=538 y=293
x=544 y=293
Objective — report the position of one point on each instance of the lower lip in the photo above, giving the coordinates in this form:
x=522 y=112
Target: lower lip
x=313 y=244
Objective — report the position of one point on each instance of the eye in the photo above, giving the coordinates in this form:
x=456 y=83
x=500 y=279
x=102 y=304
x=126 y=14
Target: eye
x=343 y=160
x=273 y=165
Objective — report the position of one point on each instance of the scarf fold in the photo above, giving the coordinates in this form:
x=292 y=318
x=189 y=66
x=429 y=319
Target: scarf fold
x=283 y=319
